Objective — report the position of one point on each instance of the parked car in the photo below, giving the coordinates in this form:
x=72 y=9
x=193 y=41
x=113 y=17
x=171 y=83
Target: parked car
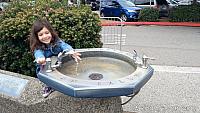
x=162 y=5
x=124 y=9
x=185 y=2
x=3 y=5
x=94 y=4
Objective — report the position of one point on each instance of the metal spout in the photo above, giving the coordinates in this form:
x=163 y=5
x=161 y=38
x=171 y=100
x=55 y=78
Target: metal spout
x=48 y=65
x=141 y=62
x=145 y=60
x=58 y=63
x=135 y=55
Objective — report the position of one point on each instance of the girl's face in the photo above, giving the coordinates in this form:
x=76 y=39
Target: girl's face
x=44 y=36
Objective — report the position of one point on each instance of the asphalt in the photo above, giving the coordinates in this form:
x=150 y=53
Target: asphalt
x=172 y=89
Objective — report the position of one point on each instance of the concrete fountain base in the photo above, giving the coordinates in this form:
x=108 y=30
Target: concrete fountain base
x=30 y=100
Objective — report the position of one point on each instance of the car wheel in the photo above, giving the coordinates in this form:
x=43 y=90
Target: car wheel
x=102 y=15
x=123 y=17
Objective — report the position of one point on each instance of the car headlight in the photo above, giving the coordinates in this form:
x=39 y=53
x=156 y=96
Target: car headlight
x=131 y=11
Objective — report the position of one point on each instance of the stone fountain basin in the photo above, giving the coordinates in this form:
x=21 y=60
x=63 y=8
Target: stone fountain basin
x=102 y=72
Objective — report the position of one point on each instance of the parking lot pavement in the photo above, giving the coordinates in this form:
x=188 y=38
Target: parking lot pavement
x=170 y=90
x=175 y=84
x=169 y=45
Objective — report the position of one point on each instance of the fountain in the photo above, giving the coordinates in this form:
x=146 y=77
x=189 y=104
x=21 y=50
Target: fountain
x=102 y=72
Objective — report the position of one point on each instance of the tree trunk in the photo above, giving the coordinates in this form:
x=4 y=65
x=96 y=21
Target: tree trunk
x=194 y=2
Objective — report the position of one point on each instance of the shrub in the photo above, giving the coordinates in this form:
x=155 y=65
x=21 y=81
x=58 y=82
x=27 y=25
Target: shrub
x=76 y=26
x=189 y=13
x=149 y=15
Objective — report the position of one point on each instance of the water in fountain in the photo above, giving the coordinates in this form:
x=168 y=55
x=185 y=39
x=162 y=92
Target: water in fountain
x=77 y=68
x=97 y=68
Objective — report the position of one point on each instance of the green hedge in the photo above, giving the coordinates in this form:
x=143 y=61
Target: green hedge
x=189 y=13
x=77 y=26
x=149 y=14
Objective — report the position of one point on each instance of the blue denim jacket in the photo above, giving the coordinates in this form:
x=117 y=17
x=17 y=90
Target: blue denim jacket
x=51 y=51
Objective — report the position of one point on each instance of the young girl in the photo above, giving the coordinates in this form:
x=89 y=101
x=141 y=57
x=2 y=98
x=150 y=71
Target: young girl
x=44 y=43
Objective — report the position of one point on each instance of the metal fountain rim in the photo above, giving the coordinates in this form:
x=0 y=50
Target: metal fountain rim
x=129 y=79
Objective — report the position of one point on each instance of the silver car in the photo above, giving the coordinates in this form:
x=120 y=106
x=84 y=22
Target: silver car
x=3 y=5
x=163 y=6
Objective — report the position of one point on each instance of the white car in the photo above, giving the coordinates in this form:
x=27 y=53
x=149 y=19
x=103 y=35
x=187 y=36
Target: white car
x=3 y=5
x=153 y=3
x=163 y=6
x=185 y=2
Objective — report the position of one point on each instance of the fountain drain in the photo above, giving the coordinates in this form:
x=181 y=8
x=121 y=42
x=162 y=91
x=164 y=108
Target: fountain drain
x=96 y=76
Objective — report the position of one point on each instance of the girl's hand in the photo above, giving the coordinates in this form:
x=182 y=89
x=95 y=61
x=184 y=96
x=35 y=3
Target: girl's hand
x=41 y=61
x=75 y=55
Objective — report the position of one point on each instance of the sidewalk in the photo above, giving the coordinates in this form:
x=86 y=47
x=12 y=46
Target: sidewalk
x=168 y=91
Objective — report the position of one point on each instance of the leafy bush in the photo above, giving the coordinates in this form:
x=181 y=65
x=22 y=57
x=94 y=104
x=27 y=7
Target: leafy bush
x=149 y=15
x=189 y=13
x=77 y=26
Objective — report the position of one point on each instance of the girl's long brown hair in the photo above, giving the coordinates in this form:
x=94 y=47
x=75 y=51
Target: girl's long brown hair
x=38 y=26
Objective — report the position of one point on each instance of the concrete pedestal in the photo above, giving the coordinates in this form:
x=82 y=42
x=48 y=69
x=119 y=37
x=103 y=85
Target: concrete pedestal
x=30 y=100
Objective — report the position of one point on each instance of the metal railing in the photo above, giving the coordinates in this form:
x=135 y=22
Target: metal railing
x=112 y=32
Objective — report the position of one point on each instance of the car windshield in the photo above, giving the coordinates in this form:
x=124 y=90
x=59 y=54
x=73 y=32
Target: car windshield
x=172 y=1
x=125 y=3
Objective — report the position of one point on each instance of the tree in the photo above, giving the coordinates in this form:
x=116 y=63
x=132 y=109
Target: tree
x=194 y=2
